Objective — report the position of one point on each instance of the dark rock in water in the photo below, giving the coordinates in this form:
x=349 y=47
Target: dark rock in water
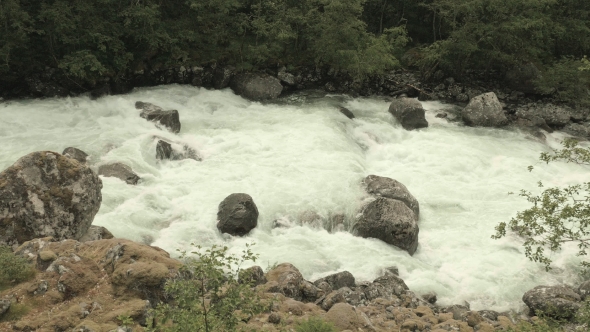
x=559 y=302
x=164 y=150
x=390 y=221
x=47 y=194
x=386 y=287
x=237 y=215
x=527 y=119
x=346 y=112
x=96 y=233
x=252 y=276
x=256 y=86
x=578 y=129
x=380 y=186
x=104 y=90
x=441 y=115
x=337 y=280
x=169 y=119
x=522 y=78
x=390 y=271
x=409 y=113
x=484 y=110
x=45 y=87
x=77 y=154
x=222 y=76
x=4 y=306
x=120 y=171
x=489 y=314
x=430 y=297
x=554 y=115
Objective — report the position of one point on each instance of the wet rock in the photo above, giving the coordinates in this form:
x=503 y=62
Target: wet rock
x=346 y=112
x=96 y=233
x=489 y=314
x=554 y=115
x=390 y=221
x=386 y=287
x=409 y=113
x=459 y=311
x=581 y=130
x=484 y=110
x=120 y=171
x=380 y=186
x=430 y=297
x=165 y=150
x=441 y=115
x=527 y=119
x=252 y=276
x=390 y=271
x=77 y=154
x=222 y=76
x=47 y=194
x=310 y=292
x=101 y=91
x=337 y=280
x=256 y=86
x=237 y=215
x=288 y=280
x=169 y=119
x=560 y=302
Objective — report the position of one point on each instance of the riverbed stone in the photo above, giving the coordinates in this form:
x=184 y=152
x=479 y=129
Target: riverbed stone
x=337 y=280
x=347 y=112
x=484 y=110
x=47 y=194
x=170 y=119
x=120 y=171
x=237 y=214
x=560 y=302
x=75 y=153
x=581 y=130
x=256 y=86
x=390 y=221
x=287 y=279
x=381 y=186
x=165 y=150
x=409 y=113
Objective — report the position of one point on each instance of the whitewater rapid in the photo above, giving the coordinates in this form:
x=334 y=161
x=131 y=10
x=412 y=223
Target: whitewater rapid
x=300 y=155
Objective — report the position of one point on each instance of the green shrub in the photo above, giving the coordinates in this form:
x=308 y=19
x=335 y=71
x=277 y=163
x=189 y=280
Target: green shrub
x=13 y=269
x=206 y=295
x=16 y=311
x=315 y=324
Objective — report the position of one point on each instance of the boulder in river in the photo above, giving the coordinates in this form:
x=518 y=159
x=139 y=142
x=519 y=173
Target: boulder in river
x=255 y=86
x=555 y=116
x=77 y=154
x=484 y=110
x=347 y=112
x=120 y=171
x=560 y=302
x=409 y=113
x=169 y=119
x=380 y=186
x=391 y=221
x=165 y=150
x=222 y=76
x=47 y=194
x=237 y=214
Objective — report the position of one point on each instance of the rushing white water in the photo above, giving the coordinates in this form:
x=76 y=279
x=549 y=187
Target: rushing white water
x=302 y=155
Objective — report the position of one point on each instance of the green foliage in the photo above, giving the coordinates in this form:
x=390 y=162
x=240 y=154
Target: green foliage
x=557 y=215
x=206 y=295
x=15 y=312
x=566 y=81
x=125 y=320
x=315 y=324
x=13 y=269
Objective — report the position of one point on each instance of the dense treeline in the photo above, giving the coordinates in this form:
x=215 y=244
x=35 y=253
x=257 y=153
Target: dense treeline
x=87 y=41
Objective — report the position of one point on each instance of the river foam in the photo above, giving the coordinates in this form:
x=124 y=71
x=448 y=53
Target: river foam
x=299 y=155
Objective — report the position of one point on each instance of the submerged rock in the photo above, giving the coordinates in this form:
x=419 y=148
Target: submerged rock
x=169 y=119
x=47 y=194
x=347 y=112
x=237 y=215
x=390 y=221
x=380 y=186
x=256 y=87
x=484 y=110
x=120 y=171
x=409 y=113
x=77 y=154
x=165 y=150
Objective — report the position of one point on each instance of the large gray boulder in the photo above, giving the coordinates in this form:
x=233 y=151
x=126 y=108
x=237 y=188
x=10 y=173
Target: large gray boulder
x=581 y=130
x=256 y=86
x=409 y=113
x=380 y=186
x=47 y=194
x=237 y=215
x=390 y=221
x=560 y=302
x=169 y=119
x=554 y=115
x=484 y=110
x=120 y=171
x=385 y=287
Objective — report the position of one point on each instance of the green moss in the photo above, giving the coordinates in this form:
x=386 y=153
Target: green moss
x=315 y=324
x=13 y=269
x=16 y=311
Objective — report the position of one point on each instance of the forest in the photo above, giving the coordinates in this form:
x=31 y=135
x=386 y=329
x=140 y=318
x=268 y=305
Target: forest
x=90 y=41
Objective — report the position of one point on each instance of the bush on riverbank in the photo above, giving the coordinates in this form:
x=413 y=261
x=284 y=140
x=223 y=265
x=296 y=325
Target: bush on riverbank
x=13 y=269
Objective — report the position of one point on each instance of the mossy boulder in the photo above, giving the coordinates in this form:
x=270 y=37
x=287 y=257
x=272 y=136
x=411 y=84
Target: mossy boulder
x=47 y=194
